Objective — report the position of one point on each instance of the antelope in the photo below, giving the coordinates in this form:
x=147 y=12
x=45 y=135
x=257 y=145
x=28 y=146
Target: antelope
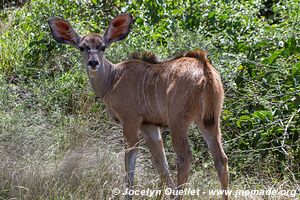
x=142 y=96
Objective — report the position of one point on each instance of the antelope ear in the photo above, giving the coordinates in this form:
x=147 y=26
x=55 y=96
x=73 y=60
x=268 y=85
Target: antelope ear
x=118 y=28
x=63 y=32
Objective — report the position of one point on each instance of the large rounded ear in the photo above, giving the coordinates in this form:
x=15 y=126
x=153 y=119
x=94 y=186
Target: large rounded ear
x=63 y=32
x=118 y=29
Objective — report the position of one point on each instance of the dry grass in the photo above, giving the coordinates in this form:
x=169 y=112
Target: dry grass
x=61 y=157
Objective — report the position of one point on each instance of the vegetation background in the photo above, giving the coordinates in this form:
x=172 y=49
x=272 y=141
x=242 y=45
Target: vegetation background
x=56 y=142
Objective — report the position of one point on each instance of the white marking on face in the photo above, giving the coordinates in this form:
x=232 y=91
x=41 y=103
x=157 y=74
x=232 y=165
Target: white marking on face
x=102 y=64
x=92 y=71
x=93 y=51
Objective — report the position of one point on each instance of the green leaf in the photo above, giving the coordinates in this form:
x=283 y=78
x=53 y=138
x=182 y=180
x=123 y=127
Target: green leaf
x=275 y=55
x=242 y=119
x=296 y=69
x=211 y=15
x=263 y=115
x=241 y=67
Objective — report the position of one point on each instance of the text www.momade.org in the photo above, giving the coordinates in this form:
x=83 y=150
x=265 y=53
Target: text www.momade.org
x=241 y=193
x=197 y=192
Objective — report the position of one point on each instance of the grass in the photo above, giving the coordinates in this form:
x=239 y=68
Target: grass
x=67 y=157
x=56 y=142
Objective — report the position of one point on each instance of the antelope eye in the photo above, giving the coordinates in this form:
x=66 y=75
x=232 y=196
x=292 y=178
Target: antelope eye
x=102 y=48
x=81 y=48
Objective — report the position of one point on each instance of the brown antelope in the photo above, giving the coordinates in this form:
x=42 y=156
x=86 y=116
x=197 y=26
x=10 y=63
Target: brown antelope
x=142 y=96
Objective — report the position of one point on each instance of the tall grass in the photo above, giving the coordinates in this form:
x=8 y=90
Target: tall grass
x=56 y=142
x=62 y=157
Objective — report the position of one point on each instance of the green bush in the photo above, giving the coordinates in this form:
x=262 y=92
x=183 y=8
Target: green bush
x=258 y=57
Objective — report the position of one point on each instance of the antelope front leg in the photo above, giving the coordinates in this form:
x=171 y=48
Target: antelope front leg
x=152 y=136
x=130 y=132
x=130 y=160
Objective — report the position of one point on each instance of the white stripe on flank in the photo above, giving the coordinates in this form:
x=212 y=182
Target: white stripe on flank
x=156 y=97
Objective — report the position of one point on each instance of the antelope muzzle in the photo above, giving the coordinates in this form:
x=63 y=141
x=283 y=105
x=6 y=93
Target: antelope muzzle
x=93 y=63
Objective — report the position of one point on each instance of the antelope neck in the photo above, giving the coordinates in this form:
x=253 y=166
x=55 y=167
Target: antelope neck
x=101 y=79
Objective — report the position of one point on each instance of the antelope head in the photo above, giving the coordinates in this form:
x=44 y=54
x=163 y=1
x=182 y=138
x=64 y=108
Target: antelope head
x=92 y=45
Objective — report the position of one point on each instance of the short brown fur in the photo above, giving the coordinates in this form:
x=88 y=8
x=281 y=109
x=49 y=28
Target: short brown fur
x=142 y=95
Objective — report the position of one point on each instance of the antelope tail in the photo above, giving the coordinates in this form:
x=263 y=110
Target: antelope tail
x=210 y=101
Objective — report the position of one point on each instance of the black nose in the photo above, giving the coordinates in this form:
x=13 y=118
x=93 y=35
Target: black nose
x=93 y=63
